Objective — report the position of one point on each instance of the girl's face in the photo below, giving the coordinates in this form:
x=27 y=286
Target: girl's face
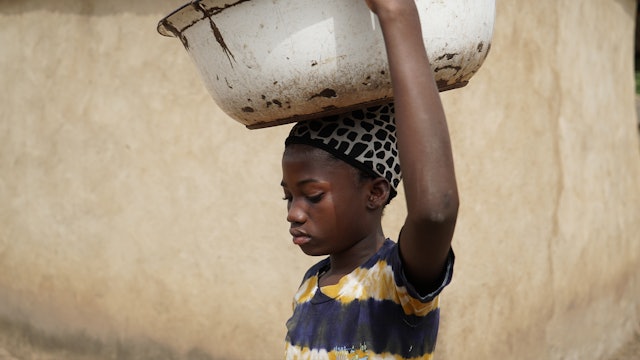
x=326 y=201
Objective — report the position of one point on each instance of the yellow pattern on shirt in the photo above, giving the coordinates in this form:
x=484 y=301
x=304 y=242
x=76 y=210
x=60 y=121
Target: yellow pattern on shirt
x=362 y=284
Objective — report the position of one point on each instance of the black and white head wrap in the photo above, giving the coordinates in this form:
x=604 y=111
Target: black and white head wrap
x=365 y=139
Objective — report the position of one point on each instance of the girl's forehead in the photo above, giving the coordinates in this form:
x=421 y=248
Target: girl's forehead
x=308 y=161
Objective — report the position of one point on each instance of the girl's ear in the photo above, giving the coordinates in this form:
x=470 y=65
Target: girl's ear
x=379 y=193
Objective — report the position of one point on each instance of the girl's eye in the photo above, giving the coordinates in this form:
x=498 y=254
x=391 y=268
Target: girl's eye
x=315 y=198
x=286 y=198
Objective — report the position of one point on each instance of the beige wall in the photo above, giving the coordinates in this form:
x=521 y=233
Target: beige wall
x=138 y=221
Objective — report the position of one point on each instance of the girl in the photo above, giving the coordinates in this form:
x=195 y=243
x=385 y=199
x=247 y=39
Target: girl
x=373 y=298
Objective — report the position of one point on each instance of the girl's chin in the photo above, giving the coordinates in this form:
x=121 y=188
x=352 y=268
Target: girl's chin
x=312 y=251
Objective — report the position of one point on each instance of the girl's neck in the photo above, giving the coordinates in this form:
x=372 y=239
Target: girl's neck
x=343 y=263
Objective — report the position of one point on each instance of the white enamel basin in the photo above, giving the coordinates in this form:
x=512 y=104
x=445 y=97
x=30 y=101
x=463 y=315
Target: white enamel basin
x=271 y=62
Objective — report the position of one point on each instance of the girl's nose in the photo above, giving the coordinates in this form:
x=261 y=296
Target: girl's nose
x=296 y=213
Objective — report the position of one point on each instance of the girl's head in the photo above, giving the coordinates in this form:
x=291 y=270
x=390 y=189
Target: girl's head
x=338 y=174
x=364 y=139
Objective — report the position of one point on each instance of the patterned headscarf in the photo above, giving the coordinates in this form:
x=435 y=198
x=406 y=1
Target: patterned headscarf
x=365 y=139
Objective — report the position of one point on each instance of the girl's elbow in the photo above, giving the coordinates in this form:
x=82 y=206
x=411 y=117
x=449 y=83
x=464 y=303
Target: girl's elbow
x=443 y=210
x=442 y=215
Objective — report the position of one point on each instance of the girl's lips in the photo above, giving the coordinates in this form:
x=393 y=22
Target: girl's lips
x=301 y=240
x=299 y=237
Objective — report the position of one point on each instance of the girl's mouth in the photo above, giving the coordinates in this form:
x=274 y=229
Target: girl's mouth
x=299 y=237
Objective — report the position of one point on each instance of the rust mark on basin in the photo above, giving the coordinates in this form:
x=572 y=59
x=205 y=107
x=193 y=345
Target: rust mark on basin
x=167 y=28
x=455 y=68
x=172 y=29
x=326 y=93
x=220 y=40
x=443 y=85
x=447 y=56
x=487 y=53
x=216 y=32
x=218 y=9
x=214 y=28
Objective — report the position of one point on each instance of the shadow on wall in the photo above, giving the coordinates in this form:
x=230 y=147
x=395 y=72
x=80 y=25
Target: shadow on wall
x=79 y=346
x=92 y=8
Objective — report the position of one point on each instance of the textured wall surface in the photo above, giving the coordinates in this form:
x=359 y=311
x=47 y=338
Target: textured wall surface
x=137 y=221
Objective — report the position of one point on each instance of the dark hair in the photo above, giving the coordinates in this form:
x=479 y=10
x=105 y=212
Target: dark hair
x=362 y=175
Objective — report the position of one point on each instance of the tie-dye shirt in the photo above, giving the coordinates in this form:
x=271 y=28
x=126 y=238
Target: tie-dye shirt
x=372 y=313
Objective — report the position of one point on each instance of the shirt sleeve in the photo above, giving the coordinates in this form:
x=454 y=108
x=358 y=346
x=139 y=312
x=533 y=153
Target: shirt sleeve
x=402 y=282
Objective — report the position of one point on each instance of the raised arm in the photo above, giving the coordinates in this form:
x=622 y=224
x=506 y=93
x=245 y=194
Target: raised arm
x=423 y=143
